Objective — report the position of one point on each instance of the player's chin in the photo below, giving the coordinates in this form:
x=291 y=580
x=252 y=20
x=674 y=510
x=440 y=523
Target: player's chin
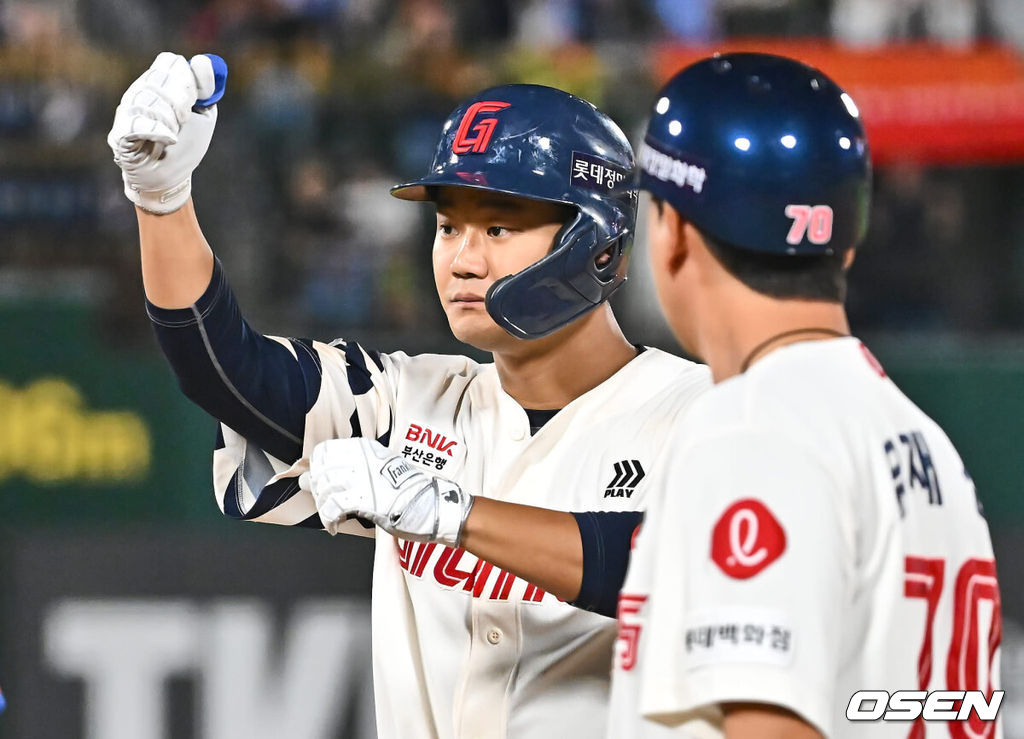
x=477 y=329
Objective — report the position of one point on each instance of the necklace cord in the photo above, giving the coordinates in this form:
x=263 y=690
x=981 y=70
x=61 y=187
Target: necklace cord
x=745 y=364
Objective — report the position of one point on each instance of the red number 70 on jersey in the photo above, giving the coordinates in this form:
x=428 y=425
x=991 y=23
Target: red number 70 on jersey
x=975 y=583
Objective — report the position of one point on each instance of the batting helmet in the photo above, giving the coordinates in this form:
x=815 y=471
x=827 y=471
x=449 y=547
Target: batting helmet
x=762 y=152
x=541 y=143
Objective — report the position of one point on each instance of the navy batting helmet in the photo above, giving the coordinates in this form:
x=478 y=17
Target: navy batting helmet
x=761 y=152
x=541 y=143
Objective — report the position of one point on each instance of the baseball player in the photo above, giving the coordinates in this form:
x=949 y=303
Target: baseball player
x=820 y=535
x=533 y=231
x=813 y=533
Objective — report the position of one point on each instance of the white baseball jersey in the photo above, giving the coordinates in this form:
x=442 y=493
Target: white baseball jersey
x=812 y=534
x=462 y=648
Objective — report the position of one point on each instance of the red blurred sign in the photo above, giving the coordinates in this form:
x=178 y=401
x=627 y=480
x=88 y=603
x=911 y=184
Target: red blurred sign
x=920 y=102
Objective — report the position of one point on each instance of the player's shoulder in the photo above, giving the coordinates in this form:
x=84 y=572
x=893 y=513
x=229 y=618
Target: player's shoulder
x=659 y=384
x=816 y=395
x=437 y=373
x=835 y=381
x=835 y=384
x=399 y=366
x=660 y=359
x=677 y=372
x=723 y=407
x=446 y=364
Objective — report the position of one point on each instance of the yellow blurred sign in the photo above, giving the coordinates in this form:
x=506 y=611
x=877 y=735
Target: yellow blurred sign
x=48 y=435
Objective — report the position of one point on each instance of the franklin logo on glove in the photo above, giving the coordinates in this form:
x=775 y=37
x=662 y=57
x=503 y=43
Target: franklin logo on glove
x=397 y=470
x=401 y=499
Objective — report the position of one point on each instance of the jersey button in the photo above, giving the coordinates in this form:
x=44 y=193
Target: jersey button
x=518 y=434
x=494 y=636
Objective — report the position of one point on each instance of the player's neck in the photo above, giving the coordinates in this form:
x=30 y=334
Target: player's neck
x=551 y=372
x=744 y=331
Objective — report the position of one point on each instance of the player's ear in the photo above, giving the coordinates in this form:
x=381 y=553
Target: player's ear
x=848 y=258
x=666 y=237
x=679 y=243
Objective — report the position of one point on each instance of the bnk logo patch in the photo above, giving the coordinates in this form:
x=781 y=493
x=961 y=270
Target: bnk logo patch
x=746 y=539
x=477 y=141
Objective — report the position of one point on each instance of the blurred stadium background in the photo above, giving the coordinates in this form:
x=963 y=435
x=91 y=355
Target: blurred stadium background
x=128 y=606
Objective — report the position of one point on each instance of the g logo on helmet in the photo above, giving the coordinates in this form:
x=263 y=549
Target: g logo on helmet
x=484 y=129
x=746 y=539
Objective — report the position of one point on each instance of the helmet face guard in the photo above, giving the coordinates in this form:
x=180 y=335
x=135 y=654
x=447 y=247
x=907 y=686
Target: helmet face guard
x=543 y=144
x=762 y=152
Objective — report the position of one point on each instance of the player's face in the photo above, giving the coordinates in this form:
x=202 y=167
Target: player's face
x=481 y=237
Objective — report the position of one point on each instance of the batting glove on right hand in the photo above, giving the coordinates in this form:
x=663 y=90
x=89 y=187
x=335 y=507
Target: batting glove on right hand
x=157 y=138
x=362 y=478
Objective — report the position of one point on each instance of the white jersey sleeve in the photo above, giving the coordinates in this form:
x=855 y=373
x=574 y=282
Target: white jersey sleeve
x=750 y=576
x=358 y=391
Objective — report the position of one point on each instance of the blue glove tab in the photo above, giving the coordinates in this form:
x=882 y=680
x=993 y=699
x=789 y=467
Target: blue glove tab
x=220 y=82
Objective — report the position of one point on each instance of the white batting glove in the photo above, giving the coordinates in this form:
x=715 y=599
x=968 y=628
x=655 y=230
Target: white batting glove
x=362 y=478
x=157 y=139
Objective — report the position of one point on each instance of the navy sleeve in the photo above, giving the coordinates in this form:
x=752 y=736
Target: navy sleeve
x=251 y=383
x=606 y=537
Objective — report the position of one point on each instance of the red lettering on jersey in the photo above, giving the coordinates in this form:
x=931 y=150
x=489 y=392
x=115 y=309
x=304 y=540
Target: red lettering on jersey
x=422 y=557
x=404 y=550
x=438 y=442
x=975 y=582
x=415 y=558
x=434 y=440
x=970 y=659
x=484 y=129
x=503 y=586
x=533 y=593
x=446 y=570
x=481 y=572
x=445 y=446
x=873 y=361
x=629 y=629
x=924 y=580
x=746 y=539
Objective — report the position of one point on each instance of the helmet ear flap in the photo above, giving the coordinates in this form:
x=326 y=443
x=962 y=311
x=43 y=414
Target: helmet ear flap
x=615 y=252
x=593 y=280
x=562 y=286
